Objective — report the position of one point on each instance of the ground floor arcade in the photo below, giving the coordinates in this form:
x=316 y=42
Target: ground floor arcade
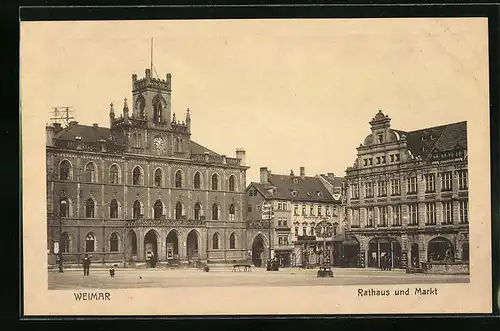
x=147 y=245
x=404 y=250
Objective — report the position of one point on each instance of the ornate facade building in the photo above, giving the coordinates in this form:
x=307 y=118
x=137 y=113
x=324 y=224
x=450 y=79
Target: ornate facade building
x=407 y=196
x=286 y=210
x=143 y=186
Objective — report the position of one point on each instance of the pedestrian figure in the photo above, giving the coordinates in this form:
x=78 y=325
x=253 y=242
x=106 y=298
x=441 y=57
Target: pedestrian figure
x=86 y=265
x=389 y=262
x=381 y=261
x=112 y=272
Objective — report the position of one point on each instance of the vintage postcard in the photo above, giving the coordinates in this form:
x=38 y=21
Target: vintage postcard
x=323 y=166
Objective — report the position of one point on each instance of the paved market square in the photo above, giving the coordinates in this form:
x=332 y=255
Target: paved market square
x=184 y=277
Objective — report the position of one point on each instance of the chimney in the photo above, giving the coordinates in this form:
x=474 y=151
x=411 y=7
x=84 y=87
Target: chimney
x=302 y=172
x=49 y=133
x=264 y=175
x=57 y=126
x=95 y=125
x=148 y=75
x=240 y=155
x=291 y=173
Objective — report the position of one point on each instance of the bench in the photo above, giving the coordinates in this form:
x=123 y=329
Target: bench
x=246 y=267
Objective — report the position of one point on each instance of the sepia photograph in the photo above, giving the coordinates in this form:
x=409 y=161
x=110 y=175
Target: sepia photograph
x=239 y=165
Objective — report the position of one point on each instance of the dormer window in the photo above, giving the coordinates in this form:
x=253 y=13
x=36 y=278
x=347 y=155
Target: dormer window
x=320 y=194
x=380 y=138
x=295 y=180
x=294 y=193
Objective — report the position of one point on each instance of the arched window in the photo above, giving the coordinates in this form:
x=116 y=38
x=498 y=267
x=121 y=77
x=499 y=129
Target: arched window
x=158 y=209
x=113 y=242
x=231 y=212
x=137 y=176
x=113 y=209
x=197 y=180
x=64 y=207
x=232 y=241
x=178 y=179
x=215 y=212
x=157 y=111
x=65 y=170
x=134 y=140
x=177 y=145
x=65 y=242
x=158 y=177
x=113 y=174
x=90 y=243
x=231 y=183
x=136 y=209
x=197 y=211
x=215 y=182
x=141 y=104
x=139 y=140
x=178 y=211
x=215 y=241
x=89 y=208
x=90 y=172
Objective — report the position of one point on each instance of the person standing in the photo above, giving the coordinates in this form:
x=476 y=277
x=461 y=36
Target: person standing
x=86 y=265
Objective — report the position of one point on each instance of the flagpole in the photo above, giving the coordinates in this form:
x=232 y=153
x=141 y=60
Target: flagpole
x=151 y=54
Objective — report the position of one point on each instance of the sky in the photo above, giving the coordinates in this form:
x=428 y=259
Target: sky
x=292 y=93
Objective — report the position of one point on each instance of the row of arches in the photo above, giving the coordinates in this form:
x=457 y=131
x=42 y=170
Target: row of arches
x=90 y=244
x=159 y=209
x=439 y=249
x=159 y=106
x=90 y=175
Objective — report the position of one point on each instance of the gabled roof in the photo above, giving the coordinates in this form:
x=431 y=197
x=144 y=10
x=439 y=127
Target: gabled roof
x=444 y=138
x=306 y=188
x=199 y=149
x=332 y=179
x=92 y=134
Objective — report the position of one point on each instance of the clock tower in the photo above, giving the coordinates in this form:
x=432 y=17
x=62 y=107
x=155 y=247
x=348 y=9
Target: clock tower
x=150 y=127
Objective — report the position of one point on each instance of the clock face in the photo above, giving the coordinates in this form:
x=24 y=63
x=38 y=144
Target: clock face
x=158 y=143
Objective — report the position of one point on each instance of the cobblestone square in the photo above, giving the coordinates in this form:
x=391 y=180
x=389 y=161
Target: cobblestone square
x=73 y=279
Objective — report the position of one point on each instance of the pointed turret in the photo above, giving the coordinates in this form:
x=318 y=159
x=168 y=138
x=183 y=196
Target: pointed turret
x=125 y=111
x=111 y=114
x=173 y=118
x=188 y=120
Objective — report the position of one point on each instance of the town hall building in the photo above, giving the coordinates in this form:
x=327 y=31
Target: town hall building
x=142 y=187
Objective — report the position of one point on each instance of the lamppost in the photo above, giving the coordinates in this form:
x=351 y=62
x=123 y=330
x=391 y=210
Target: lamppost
x=324 y=230
x=62 y=206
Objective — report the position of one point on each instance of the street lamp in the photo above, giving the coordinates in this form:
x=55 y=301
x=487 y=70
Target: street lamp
x=61 y=206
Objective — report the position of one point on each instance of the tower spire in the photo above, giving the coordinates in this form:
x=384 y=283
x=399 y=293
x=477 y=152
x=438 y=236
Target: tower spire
x=151 y=54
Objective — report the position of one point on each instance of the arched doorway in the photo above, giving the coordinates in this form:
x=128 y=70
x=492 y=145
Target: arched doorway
x=258 y=251
x=192 y=245
x=151 y=246
x=172 y=243
x=465 y=252
x=351 y=248
x=381 y=248
x=131 y=246
x=440 y=249
x=396 y=254
x=414 y=256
